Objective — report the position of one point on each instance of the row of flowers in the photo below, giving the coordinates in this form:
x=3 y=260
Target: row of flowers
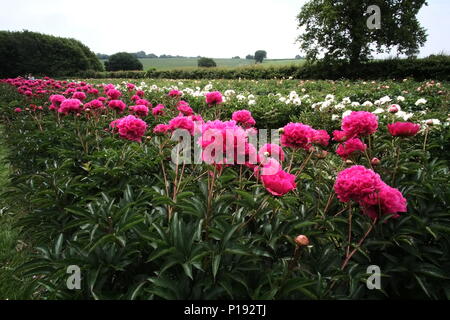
x=219 y=138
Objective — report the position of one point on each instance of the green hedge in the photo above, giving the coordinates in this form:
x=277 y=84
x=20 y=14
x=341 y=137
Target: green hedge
x=433 y=67
x=23 y=53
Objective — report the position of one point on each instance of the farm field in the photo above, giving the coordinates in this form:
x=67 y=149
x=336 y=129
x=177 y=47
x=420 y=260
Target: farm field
x=355 y=174
x=165 y=64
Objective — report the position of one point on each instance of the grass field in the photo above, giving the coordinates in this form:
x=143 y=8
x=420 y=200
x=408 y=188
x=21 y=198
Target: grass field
x=191 y=63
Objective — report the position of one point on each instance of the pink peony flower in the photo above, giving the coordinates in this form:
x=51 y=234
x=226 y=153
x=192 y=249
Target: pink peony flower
x=339 y=136
x=17 y=110
x=350 y=147
x=360 y=123
x=117 y=105
x=158 y=110
x=161 y=129
x=69 y=106
x=321 y=137
x=403 y=129
x=269 y=167
x=56 y=100
x=94 y=104
x=131 y=86
x=356 y=183
x=182 y=122
x=244 y=118
x=280 y=183
x=139 y=110
x=213 y=98
x=140 y=93
x=387 y=201
x=113 y=94
x=93 y=91
x=297 y=135
x=175 y=93
x=224 y=142
x=130 y=128
x=79 y=95
x=143 y=102
x=184 y=108
x=270 y=150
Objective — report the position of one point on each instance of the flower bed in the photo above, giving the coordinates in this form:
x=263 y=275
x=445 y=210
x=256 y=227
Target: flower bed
x=231 y=189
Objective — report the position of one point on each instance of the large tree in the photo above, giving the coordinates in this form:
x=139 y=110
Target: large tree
x=339 y=29
x=260 y=55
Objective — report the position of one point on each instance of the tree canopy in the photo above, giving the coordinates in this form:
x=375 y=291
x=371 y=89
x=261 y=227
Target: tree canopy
x=26 y=52
x=122 y=61
x=339 y=29
x=260 y=55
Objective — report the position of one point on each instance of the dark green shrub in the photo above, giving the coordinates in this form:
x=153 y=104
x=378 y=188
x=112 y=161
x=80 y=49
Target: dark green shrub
x=23 y=53
x=206 y=63
x=123 y=61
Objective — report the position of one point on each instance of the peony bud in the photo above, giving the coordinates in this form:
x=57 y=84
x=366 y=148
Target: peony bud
x=393 y=109
x=302 y=241
x=375 y=161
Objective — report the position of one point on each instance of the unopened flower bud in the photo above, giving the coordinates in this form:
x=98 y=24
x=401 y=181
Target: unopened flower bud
x=349 y=162
x=375 y=161
x=302 y=241
x=393 y=109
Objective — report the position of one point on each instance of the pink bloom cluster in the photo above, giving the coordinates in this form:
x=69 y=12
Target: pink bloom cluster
x=226 y=143
x=244 y=118
x=117 y=105
x=351 y=147
x=184 y=108
x=70 y=106
x=403 y=129
x=302 y=136
x=139 y=110
x=130 y=128
x=214 y=98
x=359 y=123
x=365 y=187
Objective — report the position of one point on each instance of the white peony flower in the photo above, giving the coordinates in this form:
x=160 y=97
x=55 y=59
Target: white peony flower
x=378 y=111
x=400 y=98
x=367 y=104
x=251 y=102
x=346 y=100
x=346 y=113
x=421 y=101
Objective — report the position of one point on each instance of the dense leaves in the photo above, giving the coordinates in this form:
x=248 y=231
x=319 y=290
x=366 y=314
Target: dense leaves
x=23 y=53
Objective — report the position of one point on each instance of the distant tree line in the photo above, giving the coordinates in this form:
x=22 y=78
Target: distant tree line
x=143 y=55
x=26 y=52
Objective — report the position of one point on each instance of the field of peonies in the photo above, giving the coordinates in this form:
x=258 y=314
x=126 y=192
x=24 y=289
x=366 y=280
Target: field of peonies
x=229 y=189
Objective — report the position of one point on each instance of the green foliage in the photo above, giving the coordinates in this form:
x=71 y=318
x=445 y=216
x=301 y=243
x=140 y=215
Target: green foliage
x=23 y=53
x=123 y=61
x=206 y=63
x=338 y=29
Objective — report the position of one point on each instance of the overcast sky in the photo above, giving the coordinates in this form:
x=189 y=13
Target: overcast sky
x=213 y=28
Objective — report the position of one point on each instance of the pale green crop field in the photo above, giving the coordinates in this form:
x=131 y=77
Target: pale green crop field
x=191 y=63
